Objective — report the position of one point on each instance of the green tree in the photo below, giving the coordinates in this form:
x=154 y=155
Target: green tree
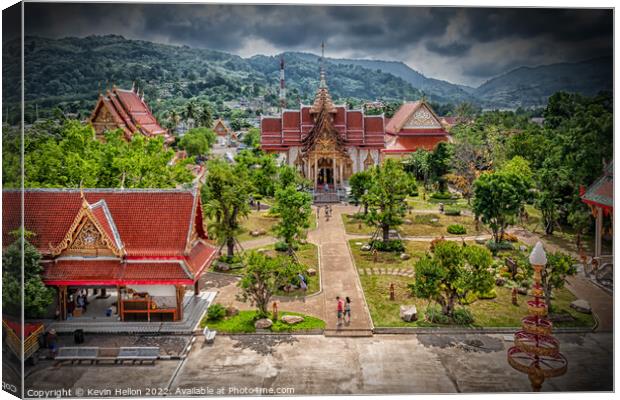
x=360 y=183
x=498 y=199
x=419 y=163
x=37 y=297
x=439 y=164
x=386 y=197
x=293 y=208
x=252 y=138
x=451 y=273
x=262 y=170
x=559 y=267
x=205 y=118
x=198 y=141
x=190 y=113
x=263 y=276
x=226 y=196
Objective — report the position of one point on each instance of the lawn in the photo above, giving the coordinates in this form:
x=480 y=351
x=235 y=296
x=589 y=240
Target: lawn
x=364 y=259
x=244 y=323
x=497 y=312
x=418 y=224
x=308 y=255
x=262 y=220
x=255 y=221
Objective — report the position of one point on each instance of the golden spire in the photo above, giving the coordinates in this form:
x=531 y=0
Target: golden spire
x=322 y=82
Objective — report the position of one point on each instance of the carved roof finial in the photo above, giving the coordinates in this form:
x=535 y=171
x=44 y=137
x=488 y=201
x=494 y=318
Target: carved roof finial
x=322 y=84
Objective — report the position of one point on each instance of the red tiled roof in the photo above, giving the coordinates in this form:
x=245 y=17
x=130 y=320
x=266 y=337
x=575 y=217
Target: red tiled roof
x=409 y=144
x=129 y=111
x=601 y=192
x=401 y=116
x=199 y=257
x=149 y=222
x=112 y=272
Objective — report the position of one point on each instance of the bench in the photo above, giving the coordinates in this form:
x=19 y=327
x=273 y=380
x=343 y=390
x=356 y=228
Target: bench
x=78 y=354
x=140 y=354
x=209 y=335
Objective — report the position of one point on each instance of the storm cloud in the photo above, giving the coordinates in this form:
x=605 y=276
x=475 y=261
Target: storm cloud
x=461 y=45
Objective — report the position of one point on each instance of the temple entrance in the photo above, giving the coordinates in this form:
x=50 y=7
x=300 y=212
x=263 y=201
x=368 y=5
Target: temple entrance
x=325 y=173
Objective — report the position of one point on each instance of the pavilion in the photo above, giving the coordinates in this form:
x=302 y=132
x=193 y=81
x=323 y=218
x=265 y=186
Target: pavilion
x=600 y=197
x=145 y=245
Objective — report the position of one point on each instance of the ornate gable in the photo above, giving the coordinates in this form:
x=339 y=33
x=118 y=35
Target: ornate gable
x=88 y=237
x=423 y=117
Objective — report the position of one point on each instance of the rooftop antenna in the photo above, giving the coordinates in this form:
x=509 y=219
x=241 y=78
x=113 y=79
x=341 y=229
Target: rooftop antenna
x=282 y=87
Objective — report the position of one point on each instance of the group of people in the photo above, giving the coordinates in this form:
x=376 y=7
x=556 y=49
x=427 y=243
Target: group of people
x=76 y=300
x=343 y=310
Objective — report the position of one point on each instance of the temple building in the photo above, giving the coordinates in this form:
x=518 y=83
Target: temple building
x=127 y=110
x=327 y=142
x=414 y=126
x=224 y=134
x=144 y=246
x=600 y=198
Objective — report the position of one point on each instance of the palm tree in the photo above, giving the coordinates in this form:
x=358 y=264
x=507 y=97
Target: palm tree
x=173 y=120
x=190 y=113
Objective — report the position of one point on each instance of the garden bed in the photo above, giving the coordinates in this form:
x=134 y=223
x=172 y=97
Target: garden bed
x=244 y=323
x=418 y=224
x=489 y=313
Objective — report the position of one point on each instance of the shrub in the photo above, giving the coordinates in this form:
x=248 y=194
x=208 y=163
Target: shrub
x=469 y=298
x=452 y=211
x=495 y=247
x=281 y=246
x=257 y=196
x=457 y=229
x=462 y=316
x=491 y=294
x=216 y=312
x=234 y=259
x=390 y=246
x=433 y=314
x=441 y=196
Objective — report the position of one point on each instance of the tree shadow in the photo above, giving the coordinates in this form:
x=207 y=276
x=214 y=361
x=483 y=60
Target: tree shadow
x=262 y=344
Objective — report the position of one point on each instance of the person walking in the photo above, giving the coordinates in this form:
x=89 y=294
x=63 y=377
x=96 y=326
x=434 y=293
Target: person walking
x=347 y=310
x=339 y=309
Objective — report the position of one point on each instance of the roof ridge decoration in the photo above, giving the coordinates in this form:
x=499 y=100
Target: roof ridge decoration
x=106 y=211
x=323 y=136
x=86 y=233
x=322 y=99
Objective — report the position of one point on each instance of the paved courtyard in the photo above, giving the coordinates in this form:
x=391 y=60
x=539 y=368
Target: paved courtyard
x=387 y=364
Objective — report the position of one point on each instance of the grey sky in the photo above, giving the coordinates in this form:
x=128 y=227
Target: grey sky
x=461 y=45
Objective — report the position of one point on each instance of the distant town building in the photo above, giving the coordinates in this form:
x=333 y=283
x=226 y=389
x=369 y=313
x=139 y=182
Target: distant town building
x=127 y=110
x=224 y=134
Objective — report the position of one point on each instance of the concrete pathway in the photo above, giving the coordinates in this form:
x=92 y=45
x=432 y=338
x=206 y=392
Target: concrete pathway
x=339 y=275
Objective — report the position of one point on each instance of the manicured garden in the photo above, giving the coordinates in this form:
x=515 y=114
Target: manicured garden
x=243 y=322
x=494 y=309
x=497 y=312
x=419 y=224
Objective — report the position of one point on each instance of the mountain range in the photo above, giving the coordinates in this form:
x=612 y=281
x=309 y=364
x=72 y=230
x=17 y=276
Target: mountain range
x=72 y=70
